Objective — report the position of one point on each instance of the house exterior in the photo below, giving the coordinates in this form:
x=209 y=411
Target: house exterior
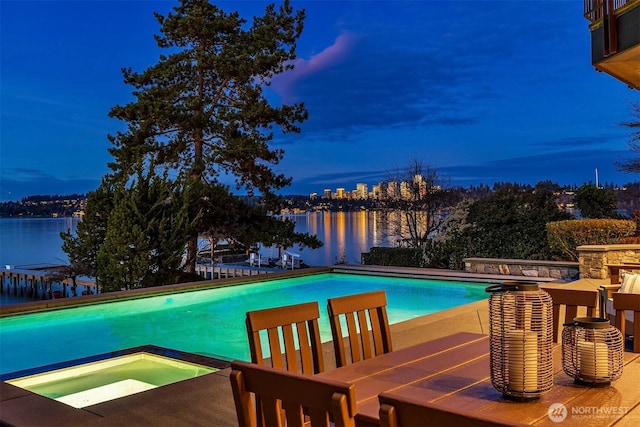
x=615 y=38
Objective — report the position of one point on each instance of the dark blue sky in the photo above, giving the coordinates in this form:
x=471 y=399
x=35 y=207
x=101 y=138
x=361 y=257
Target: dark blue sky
x=484 y=91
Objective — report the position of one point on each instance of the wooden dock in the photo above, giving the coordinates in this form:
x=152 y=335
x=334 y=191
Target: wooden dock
x=37 y=284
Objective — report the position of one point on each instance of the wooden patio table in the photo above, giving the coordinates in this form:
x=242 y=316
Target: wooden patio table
x=453 y=373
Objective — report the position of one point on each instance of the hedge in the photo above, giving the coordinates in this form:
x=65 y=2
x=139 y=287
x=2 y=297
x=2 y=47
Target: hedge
x=566 y=236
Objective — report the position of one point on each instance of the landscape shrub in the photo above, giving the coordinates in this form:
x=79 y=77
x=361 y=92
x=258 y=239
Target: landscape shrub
x=398 y=257
x=566 y=236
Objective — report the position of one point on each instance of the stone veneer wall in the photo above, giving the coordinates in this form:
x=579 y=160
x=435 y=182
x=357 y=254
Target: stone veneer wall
x=592 y=258
x=563 y=270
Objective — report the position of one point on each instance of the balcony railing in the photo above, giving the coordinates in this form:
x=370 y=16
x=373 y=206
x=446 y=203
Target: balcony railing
x=595 y=10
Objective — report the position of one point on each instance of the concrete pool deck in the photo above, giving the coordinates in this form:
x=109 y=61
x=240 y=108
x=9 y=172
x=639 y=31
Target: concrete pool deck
x=207 y=400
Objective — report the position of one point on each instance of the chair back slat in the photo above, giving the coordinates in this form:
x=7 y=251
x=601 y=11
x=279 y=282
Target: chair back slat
x=290 y=398
x=571 y=299
x=367 y=323
x=354 y=338
x=363 y=327
x=277 y=359
x=290 y=346
x=378 y=340
x=306 y=356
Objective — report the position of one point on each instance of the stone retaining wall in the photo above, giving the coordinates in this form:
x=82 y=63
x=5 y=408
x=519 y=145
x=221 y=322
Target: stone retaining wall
x=593 y=258
x=561 y=270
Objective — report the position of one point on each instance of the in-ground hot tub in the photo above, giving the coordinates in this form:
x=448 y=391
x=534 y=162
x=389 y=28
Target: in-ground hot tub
x=86 y=384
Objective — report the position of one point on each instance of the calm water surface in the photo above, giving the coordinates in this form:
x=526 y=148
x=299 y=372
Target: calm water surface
x=28 y=241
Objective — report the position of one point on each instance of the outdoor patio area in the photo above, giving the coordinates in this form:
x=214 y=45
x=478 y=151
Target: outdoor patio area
x=208 y=400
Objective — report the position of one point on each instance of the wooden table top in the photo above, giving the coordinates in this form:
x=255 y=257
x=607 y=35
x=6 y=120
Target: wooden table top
x=453 y=372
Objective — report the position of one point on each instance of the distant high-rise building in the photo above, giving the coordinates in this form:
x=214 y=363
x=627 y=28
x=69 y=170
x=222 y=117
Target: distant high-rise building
x=340 y=193
x=362 y=191
x=375 y=192
x=420 y=185
x=393 y=191
x=383 y=190
x=327 y=193
x=405 y=190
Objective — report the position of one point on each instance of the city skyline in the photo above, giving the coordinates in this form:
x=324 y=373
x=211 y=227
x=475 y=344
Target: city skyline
x=485 y=91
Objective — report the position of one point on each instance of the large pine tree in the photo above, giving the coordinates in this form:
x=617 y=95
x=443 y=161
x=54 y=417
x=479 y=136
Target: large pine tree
x=201 y=109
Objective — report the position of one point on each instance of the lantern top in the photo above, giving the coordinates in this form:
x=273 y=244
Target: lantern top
x=590 y=322
x=512 y=286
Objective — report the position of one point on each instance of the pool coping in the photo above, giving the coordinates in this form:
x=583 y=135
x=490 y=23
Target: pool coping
x=52 y=304
x=422 y=273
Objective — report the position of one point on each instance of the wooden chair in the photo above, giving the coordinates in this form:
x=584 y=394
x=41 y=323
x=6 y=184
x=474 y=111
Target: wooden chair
x=572 y=299
x=287 y=396
x=302 y=348
x=398 y=411
x=622 y=308
x=361 y=311
x=622 y=303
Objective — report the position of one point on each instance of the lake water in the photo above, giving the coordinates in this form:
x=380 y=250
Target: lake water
x=346 y=235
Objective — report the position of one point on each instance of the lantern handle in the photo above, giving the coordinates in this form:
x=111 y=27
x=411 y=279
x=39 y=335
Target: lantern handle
x=512 y=286
x=494 y=288
x=505 y=286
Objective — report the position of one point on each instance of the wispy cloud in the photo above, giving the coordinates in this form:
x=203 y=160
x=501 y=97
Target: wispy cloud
x=580 y=141
x=284 y=83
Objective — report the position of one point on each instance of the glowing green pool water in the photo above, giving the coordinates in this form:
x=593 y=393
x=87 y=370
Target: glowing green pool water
x=207 y=322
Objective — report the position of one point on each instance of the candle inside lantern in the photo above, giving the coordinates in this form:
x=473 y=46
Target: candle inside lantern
x=522 y=360
x=594 y=359
x=523 y=316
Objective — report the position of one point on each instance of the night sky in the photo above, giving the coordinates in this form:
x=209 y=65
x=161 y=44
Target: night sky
x=484 y=91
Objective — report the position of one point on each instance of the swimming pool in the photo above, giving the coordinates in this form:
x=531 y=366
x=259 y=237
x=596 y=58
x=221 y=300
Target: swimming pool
x=208 y=322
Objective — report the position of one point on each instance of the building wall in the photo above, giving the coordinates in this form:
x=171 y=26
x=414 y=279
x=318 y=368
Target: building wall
x=560 y=270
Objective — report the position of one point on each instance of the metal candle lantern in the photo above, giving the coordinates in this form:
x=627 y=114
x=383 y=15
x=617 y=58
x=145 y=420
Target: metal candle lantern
x=521 y=338
x=592 y=351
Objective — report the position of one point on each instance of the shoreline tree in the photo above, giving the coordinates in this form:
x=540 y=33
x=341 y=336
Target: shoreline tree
x=595 y=202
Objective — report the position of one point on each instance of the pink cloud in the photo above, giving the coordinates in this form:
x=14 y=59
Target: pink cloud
x=283 y=83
